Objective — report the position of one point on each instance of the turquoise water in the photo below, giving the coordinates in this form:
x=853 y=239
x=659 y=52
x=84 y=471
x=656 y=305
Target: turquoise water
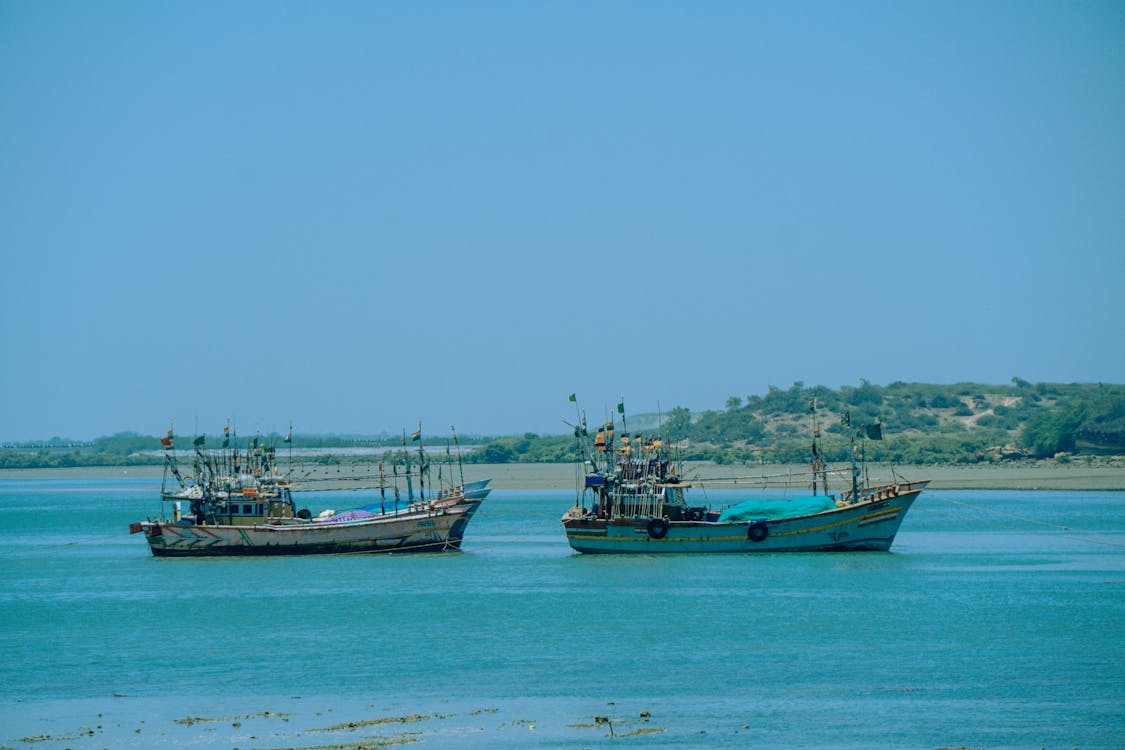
x=979 y=629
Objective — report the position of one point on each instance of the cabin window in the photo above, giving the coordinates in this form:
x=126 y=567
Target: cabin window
x=247 y=510
x=258 y=509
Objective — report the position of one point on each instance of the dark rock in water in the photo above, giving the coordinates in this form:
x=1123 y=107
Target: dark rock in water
x=600 y=720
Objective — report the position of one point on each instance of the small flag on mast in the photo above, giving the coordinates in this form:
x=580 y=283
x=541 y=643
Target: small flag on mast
x=198 y=442
x=573 y=397
x=416 y=435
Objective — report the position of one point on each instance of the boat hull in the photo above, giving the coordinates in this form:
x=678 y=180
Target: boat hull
x=867 y=525
x=434 y=530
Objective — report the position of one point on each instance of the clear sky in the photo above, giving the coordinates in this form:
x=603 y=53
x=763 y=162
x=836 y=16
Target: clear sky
x=362 y=215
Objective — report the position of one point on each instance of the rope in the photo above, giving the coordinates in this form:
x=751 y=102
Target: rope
x=1009 y=515
x=1023 y=519
x=41 y=547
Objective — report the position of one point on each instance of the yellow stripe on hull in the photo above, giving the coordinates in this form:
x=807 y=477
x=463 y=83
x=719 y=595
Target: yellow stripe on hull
x=865 y=526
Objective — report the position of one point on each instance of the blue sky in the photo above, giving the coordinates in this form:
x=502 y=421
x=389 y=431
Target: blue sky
x=362 y=215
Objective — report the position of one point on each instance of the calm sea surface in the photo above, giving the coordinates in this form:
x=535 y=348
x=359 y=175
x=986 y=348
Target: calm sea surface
x=987 y=625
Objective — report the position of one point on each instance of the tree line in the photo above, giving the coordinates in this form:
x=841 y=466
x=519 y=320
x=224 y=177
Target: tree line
x=921 y=423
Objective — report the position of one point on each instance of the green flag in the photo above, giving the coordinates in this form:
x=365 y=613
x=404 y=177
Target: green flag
x=621 y=407
x=874 y=431
x=573 y=397
x=198 y=442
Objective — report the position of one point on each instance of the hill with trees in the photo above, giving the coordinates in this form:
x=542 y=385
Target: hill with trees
x=920 y=423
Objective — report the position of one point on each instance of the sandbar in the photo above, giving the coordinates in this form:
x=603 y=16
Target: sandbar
x=1041 y=475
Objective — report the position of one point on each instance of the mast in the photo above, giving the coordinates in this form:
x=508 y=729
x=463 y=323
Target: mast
x=579 y=464
x=406 y=458
x=815 y=435
x=423 y=468
x=621 y=411
x=846 y=421
x=855 y=470
x=224 y=455
x=460 y=466
x=581 y=435
x=169 y=461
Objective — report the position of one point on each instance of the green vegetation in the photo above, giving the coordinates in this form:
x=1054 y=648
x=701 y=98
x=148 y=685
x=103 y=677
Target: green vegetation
x=922 y=423
x=134 y=449
x=528 y=448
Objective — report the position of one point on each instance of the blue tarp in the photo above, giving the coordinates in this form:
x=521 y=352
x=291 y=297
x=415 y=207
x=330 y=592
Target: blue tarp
x=759 y=508
x=387 y=506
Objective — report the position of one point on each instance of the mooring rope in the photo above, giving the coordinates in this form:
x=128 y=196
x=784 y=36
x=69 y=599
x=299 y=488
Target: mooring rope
x=1070 y=529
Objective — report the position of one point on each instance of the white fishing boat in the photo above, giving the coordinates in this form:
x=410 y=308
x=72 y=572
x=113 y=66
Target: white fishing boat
x=634 y=501
x=422 y=526
x=242 y=504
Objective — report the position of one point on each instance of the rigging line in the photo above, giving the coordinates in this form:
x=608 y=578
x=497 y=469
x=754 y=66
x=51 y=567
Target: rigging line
x=758 y=477
x=1011 y=515
x=967 y=519
x=1071 y=537
x=41 y=547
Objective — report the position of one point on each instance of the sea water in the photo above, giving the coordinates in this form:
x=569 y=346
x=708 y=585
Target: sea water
x=997 y=620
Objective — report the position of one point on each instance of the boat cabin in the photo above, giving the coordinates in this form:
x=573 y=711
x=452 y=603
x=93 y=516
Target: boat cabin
x=244 y=511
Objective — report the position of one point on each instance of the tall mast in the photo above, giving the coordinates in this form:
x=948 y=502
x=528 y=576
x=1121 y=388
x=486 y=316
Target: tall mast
x=582 y=435
x=460 y=467
x=406 y=457
x=382 y=483
x=855 y=469
x=815 y=447
x=169 y=460
x=422 y=467
x=621 y=411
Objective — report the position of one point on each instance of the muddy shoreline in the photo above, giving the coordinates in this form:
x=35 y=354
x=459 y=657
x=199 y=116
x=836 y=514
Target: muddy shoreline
x=1030 y=476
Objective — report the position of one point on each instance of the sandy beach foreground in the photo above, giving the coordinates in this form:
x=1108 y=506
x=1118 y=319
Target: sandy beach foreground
x=1022 y=476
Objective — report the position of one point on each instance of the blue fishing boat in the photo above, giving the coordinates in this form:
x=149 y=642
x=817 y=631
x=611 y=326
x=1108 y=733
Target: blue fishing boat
x=634 y=501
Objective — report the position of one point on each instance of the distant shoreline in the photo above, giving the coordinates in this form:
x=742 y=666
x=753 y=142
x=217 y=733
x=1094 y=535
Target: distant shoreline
x=536 y=476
